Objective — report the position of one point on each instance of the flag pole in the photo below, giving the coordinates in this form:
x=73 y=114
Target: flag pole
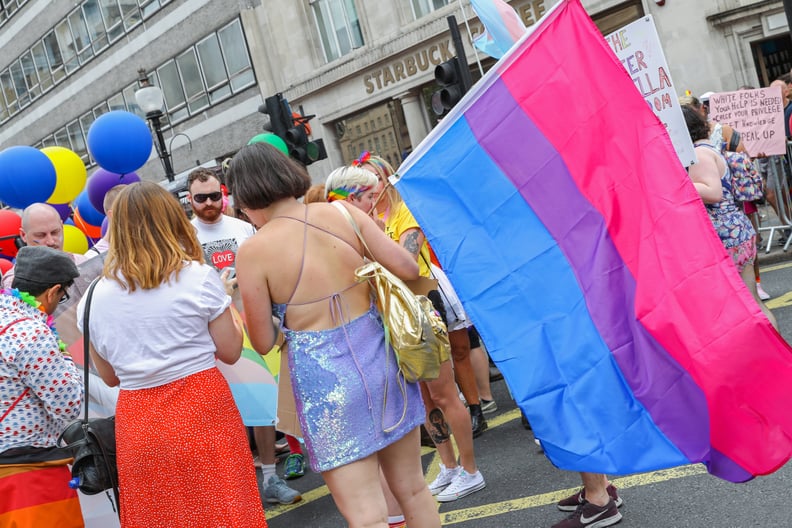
x=470 y=36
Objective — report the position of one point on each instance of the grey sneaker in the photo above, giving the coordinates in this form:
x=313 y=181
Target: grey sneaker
x=277 y=491
x=444 y=479
x=463 y=485
x=488 y=406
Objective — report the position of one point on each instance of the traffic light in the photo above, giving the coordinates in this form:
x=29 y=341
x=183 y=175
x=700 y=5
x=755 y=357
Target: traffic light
x=293 y=129
x=449 y=76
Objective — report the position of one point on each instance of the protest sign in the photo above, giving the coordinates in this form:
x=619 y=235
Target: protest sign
x=757 y=114
x=637 y=46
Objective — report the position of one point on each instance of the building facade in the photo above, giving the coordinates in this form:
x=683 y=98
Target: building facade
x=363 y=68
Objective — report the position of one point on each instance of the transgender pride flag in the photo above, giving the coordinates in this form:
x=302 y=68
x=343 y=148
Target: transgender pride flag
x=556 y=203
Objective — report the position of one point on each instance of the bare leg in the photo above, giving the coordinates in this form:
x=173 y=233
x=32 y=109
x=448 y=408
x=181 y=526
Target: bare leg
x=356 y=493
x=444 y=395
x=747 y=275
x=394 y=509
x=463 y=369
x=596 y=485
x=480 y=362
x=265 y=443
x=401 y=465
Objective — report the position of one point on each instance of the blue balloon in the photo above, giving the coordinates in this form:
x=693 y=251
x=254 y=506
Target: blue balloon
x=87 y=211
x=120 y=142
x=26 y=176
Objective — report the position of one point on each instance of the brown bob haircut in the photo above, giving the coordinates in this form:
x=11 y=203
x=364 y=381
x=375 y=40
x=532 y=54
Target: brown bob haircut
x=260 y=175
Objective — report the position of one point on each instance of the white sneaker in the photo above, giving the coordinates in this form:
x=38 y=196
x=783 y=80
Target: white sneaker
x=762 y=294
x=444 y=479
x=463 y=485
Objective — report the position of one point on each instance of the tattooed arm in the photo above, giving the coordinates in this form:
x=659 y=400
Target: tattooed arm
x=412 y=240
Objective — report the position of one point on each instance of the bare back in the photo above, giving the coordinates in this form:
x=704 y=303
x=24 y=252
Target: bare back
x=316 y=261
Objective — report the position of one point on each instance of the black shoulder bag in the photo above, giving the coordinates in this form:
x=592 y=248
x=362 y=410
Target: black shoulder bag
x=92 y=440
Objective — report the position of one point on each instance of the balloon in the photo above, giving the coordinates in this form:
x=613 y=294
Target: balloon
x=64 y=210
x=105 y=225
x=87 y=211
x=102 y=181
x=74 y=240
x=10 y=222
x=26 y=176
x=272 y=139
x=120 y=141
x=5 y=265
x=70 y=174
x=88 y=230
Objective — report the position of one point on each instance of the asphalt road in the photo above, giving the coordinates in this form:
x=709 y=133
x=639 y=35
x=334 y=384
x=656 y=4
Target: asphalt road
x=522 y=485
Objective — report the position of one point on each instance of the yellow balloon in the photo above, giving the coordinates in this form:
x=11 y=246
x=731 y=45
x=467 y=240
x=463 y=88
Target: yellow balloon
x=70 y=174
x=74 y=240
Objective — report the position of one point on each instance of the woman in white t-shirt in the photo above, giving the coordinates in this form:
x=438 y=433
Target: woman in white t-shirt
x=159 y=319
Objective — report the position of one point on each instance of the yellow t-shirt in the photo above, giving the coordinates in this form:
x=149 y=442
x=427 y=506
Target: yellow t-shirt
x=402 y=220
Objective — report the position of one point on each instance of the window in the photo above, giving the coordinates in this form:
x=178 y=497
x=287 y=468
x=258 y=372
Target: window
x=20 y=86
x=339 y=27
x=111 y=14
x=213 y=67
x=236 y=56
x=96 y=29
x=424 y=7
x=82 y=42
x=42 y=67
x=194 y=89
x=31 y=77
x=9 y=92
x=67 y=47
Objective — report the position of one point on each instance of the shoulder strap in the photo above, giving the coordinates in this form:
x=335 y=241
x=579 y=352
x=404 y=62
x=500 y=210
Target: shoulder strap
x=734 y=142
x=87 y=341
x=302 y=261
x=354 y=225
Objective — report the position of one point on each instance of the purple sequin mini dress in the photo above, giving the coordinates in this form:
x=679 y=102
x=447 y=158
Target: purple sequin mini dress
x=339 y=377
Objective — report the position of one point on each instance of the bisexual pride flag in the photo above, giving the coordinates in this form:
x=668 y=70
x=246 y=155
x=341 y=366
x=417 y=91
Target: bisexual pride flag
x=554 y=200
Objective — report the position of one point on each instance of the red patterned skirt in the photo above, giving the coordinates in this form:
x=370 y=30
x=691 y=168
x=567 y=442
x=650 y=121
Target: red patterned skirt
x=183 y=457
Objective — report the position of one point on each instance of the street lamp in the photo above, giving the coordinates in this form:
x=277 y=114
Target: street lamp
x=149 y=98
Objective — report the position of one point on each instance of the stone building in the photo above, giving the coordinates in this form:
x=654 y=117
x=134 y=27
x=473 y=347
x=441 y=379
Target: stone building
x=364 y=68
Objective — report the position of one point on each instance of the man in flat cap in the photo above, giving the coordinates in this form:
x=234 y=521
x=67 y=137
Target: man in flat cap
x=41 y=392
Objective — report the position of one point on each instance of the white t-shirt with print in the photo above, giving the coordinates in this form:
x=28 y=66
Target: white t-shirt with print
x=221 y=240
x=154 y=337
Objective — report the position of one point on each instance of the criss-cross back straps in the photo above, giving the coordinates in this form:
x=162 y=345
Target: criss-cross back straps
x=307 y=224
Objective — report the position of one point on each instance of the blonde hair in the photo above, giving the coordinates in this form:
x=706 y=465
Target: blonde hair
x=315 y=193
x=150 y=238
x=346 y=181
x=383 y=170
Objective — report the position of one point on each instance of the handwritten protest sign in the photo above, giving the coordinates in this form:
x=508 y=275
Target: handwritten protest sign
x=757 y=114
x=638 y=47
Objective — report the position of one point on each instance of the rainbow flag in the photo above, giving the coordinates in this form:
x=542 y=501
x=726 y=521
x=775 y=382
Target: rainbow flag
x=585 y=257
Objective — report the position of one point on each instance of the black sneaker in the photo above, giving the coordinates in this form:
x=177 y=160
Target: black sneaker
x=572 y=502
x=477 y=421
x=589 y=515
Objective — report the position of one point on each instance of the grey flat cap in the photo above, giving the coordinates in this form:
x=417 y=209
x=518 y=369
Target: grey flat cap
x=44 y=265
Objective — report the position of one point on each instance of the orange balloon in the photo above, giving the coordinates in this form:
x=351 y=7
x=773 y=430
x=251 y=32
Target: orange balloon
x=91 y=231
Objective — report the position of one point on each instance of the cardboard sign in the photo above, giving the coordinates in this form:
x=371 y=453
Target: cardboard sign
x=638 y=47
x=758 y=115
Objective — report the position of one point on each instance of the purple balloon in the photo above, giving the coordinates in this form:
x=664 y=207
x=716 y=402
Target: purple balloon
x=102 y=181
x=104 y=226
x=64 y=210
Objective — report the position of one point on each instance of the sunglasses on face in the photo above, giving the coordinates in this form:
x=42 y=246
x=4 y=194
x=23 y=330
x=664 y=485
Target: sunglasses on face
x=214 y=196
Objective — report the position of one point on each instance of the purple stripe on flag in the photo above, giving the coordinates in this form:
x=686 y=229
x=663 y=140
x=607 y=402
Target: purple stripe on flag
x=672 y=398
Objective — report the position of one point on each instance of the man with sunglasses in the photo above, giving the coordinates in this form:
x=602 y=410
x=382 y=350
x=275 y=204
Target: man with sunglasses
x=41 y=391
x=221 y=235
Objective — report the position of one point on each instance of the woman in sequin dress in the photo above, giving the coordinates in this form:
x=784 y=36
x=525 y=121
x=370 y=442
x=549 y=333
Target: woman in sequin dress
x=352 y=412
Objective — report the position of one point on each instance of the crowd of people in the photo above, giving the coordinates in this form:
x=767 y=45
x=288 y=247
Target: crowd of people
x=163 y=315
